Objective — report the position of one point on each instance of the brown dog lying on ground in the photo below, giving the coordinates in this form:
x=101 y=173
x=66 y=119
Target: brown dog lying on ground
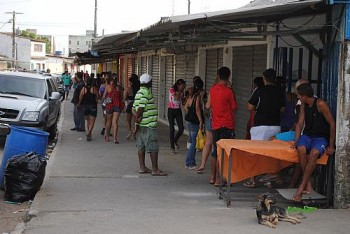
x=269 y=215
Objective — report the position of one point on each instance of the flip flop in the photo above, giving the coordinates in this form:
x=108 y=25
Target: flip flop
x=159 y=173
x=144 y=171
x=200 y=171
x=249 y=184
x=268 y=178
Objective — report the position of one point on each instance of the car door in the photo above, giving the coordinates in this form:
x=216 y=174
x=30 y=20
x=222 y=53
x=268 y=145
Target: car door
x=54 y=104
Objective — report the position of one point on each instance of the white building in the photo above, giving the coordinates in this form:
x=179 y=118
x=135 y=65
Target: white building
x=23 y=49
x=78 y=43
x=38 y=55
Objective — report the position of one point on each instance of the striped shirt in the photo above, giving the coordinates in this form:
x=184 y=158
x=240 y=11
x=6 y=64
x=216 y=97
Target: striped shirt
x=144 y=99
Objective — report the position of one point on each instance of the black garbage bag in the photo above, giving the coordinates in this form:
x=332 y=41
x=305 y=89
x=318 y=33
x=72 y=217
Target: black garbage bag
x=24 y=175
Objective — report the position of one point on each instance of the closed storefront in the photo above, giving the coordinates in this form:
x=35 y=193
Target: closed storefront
x=185 y=67
x=168 y=83
x=247 y=63
x=155 y=79
x=214 y=60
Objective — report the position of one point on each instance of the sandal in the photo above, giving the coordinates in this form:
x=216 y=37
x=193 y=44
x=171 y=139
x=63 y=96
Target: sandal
x=106 y=138
x=129 y=135
x=159 y=173
x=249 y=184
x=144 y=171
x=268 y=178
x=200 y=170
x=268 y=185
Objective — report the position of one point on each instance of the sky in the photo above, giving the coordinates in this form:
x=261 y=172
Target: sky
x=61 y=18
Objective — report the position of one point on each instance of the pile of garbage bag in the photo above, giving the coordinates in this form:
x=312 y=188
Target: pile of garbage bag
x=24 y=175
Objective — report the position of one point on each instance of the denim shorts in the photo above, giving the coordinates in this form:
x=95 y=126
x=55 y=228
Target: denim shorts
x=318 y=143
x=114 y=109
x=208 y=124
x=147 y=140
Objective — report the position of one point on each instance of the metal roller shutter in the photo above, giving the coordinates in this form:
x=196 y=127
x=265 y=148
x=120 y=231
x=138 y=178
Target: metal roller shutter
x=169 y=81
x=143 y=65
x=155 y=75
x=248 y=62
x=213 y=62
x=180 y=66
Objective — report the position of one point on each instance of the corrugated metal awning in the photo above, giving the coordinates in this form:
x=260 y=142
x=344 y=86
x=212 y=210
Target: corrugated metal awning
x=204 y=28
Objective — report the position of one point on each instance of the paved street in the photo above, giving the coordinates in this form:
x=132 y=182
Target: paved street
x=95 y=187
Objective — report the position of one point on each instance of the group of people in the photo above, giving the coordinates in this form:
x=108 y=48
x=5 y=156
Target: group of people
x=212 y=113
x=272 y=111
x=88 y=90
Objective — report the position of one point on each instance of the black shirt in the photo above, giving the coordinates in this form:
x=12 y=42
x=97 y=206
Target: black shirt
x=268 y=101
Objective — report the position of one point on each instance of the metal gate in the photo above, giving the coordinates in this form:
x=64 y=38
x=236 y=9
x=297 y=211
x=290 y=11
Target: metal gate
x=247 y=63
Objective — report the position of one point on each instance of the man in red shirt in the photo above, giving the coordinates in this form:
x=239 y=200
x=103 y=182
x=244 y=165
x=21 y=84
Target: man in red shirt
x=223 y=105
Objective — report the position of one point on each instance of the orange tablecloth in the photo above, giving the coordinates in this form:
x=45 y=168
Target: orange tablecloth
x=252 y=158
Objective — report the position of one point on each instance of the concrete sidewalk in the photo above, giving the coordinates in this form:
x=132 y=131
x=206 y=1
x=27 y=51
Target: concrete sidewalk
x=95 y=187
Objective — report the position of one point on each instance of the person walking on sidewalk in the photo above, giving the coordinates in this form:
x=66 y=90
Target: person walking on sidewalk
x=175 y=113
x=67 y=81
x=129 y=96
x=78 y=113
x=146 y=114
x=88 y=98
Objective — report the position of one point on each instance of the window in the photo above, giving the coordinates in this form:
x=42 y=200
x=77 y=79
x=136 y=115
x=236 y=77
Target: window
x=38 y=48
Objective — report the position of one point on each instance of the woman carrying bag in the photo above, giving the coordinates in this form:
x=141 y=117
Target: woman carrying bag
x=194 y=117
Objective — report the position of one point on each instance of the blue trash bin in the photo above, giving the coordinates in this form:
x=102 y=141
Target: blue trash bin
x=22 y=140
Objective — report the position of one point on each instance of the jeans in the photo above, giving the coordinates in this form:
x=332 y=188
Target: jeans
x=172 y=115
x=191 y=153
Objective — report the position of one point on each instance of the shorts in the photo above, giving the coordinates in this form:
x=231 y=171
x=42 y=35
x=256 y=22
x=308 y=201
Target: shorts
x=129 y=107
x=318 y=143
x=114 y=109
x=208 y=125
x=264 y=133
x=221 y=133
x=66 y=88
x=147 y=140
x=90 y=111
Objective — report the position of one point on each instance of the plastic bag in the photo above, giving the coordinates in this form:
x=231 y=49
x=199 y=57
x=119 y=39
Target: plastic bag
x=200 y=141
x=24 y=175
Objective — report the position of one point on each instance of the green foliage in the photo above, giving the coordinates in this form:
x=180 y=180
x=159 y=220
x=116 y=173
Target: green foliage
x=34 y=36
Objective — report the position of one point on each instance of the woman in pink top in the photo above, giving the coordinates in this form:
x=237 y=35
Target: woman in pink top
x=174 y=112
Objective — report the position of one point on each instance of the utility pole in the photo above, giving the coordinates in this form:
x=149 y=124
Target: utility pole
x=95 y=20
x=13 y=37
x=189 y=7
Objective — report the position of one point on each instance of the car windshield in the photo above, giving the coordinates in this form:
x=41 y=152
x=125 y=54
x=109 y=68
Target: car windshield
x=19 y=85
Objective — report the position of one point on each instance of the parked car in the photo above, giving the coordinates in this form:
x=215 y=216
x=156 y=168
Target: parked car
x=29 y=99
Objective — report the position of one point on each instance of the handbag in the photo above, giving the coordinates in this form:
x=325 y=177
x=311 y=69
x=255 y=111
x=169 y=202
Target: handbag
x=200 y=140
x=191 y=115
x=108 y=100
